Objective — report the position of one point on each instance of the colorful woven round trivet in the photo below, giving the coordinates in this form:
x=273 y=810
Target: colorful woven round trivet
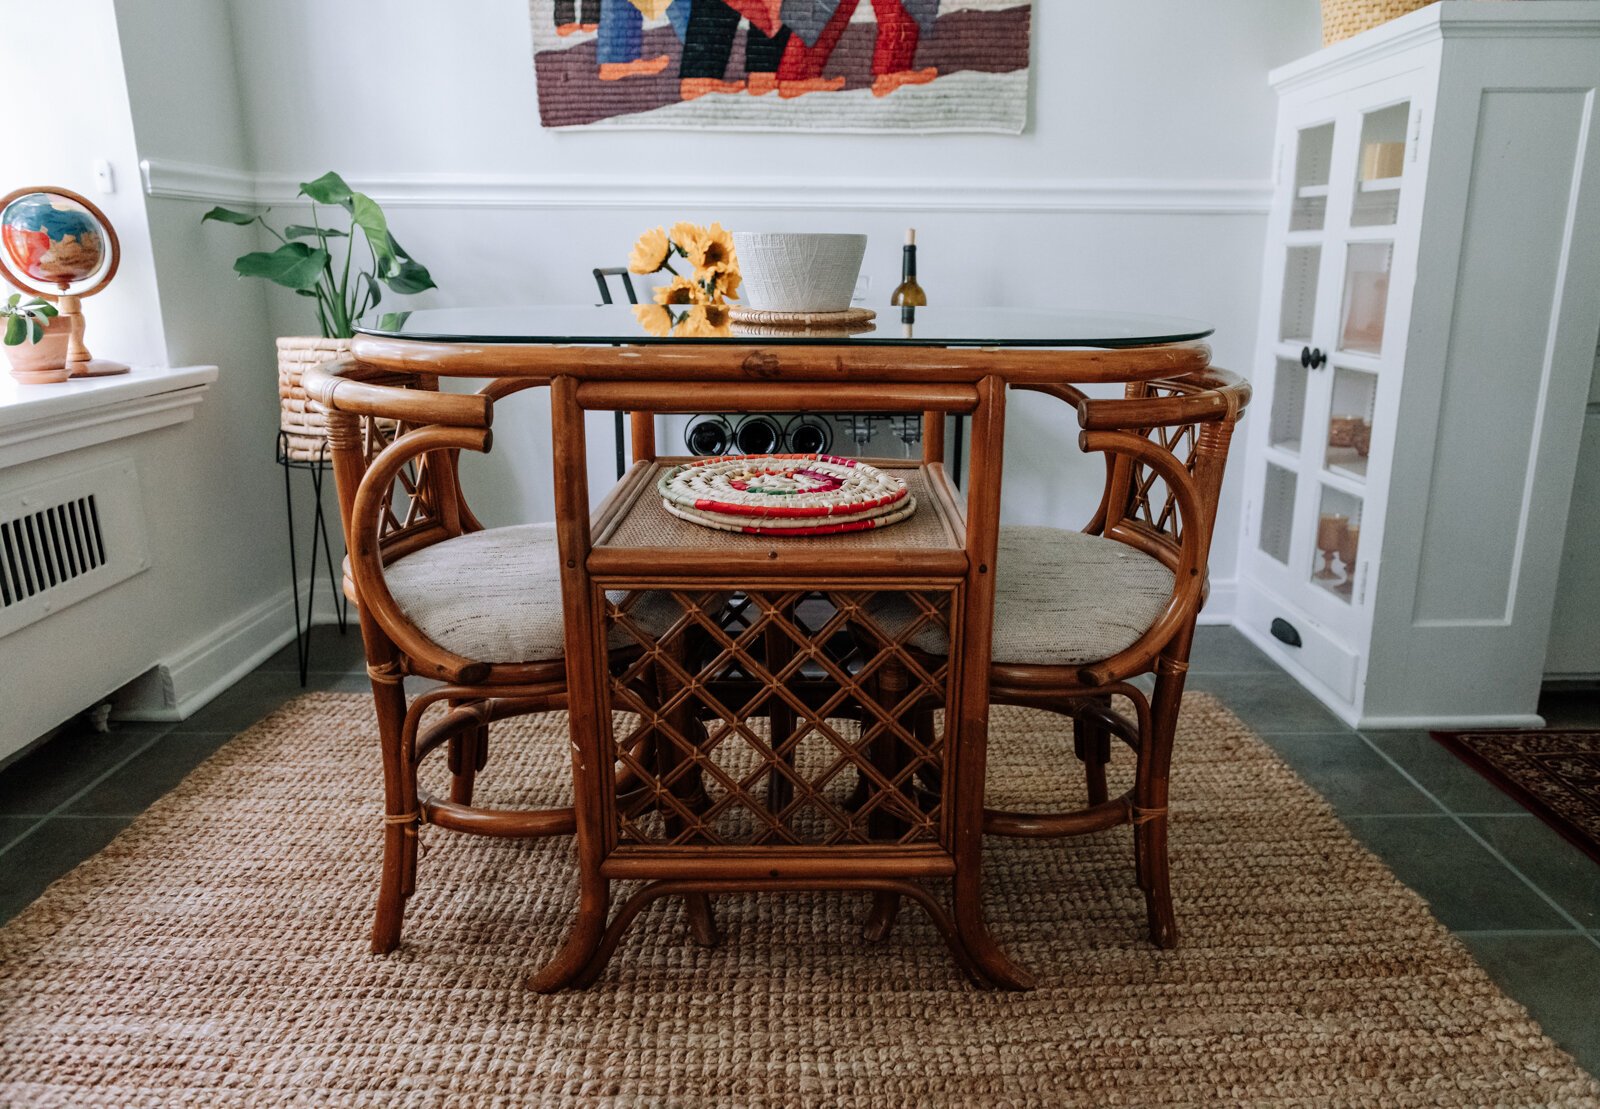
x=785 y=494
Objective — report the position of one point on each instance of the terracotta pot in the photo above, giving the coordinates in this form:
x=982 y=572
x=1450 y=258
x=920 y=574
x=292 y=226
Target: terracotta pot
x=44 y=362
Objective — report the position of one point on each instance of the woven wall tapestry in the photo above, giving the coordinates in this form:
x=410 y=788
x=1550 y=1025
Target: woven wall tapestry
x=783 y=65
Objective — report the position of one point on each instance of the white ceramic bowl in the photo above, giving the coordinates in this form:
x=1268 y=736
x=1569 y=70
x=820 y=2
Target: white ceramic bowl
x=798 y=271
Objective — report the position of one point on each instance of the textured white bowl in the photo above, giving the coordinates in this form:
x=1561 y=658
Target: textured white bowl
x=798 y=271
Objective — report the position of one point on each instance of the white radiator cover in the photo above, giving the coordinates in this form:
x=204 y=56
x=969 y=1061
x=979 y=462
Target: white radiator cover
x=66 y=539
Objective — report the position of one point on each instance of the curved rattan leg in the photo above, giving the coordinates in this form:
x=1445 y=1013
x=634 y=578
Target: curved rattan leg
x=702 y=921
x=468 y=753
x=996 y=967
x=1150 y=804
x=880 y=921
x=400 y=810
x=1092 y=743
x=583 y=940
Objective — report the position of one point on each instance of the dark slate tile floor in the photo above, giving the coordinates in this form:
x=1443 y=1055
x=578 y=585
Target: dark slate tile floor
x=1523 y=900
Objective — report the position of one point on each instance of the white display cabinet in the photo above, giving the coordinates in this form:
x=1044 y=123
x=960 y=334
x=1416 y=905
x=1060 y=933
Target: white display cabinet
x=1431 y=299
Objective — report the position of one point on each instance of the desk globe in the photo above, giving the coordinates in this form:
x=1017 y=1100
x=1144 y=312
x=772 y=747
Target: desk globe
x=60 y=246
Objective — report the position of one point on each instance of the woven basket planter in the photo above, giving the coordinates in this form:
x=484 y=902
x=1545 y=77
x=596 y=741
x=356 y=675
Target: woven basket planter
x=305 y=427
x=1343 y=18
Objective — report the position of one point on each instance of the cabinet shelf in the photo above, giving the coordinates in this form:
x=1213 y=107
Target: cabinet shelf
x=1346 y=462
x=1381 y=185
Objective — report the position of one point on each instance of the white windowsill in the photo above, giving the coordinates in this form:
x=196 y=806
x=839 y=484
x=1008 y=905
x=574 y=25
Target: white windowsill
x=37 y=421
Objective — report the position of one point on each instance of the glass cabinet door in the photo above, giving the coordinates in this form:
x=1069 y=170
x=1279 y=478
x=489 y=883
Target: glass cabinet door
x=1333 y=344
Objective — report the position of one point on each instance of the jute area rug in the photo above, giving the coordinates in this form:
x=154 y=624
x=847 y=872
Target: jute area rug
x=215 y=954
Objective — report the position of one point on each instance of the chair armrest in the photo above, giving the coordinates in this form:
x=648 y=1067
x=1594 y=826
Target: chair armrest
x=337 y=386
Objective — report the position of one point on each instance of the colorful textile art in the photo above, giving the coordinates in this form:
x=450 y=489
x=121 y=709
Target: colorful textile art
x=783 y=65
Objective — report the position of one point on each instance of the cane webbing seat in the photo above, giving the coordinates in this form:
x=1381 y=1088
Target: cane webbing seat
x=1062 y=598
x=495 y=595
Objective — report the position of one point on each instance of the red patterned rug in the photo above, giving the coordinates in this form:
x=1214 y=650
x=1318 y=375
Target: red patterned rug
x=1554 y=774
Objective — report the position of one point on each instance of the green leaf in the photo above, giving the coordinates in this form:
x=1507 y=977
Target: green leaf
x=301 y=231
x=228 y=215
x=15 y=330
x=328 y=189
x=410 y=277
x=370 y=218
x=35 y=329
x=392 y=321
x=13 y=300
x=373 y=287
x=293 y=265
x=46 y=309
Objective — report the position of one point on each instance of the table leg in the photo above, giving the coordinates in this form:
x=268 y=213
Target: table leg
x=967 y=733
x=585 y=638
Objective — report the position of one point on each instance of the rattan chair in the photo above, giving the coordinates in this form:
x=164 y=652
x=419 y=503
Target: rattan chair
x=476 y=610
x=1079 y=614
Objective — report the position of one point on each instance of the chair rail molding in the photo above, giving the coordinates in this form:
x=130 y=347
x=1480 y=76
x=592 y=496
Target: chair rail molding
x=176 y=180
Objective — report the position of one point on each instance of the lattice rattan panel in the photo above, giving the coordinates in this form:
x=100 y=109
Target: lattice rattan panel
x=779 y=718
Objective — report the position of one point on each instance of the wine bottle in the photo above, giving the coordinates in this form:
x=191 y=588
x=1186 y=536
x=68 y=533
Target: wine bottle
x=757 y=435
x=708 y=436
x=908 y=294
x=807 y=434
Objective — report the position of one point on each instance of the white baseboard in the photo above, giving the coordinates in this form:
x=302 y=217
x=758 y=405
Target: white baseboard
x=1221 y=603
x=1448 y=723
x=182 y=685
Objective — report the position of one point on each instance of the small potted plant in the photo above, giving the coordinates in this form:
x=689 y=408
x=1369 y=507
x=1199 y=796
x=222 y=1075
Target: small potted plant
x=311 y=260
x=36 y=346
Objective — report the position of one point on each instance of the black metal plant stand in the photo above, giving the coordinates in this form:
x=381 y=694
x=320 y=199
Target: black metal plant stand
x=318 y=469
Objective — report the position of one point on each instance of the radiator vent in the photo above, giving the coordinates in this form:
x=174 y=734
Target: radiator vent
x=65 y=540
x=49 y=548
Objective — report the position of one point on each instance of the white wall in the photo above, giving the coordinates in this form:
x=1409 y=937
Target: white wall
x=159 y=75
x=185 y=98
x=1154 y=104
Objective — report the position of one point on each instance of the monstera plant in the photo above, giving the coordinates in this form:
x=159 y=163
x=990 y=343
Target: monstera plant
x=342 y=260
x=308 y=258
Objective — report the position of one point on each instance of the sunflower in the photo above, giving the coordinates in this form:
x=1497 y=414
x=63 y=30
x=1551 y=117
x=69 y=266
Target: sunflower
x=711 y=252
x=682 y=234
x=680 y=291
x=655 y=319
x=650 y=253
x=728 y=284
x=703 y=321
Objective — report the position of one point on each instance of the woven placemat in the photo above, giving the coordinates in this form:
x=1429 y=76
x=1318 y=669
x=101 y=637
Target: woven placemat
x=785 y=494
x=215 y=954
x=847 y=319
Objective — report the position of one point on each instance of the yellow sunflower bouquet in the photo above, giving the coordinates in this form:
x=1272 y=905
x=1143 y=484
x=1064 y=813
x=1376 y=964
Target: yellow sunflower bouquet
x=703 y=293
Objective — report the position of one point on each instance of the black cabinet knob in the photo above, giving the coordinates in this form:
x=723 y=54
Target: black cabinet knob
x=1312 y=358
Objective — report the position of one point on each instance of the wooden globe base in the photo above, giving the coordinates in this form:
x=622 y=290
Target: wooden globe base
x=80 y=363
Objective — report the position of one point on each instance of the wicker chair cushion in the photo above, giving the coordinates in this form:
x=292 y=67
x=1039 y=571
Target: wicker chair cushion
x=495 y=595
x=1062 y=598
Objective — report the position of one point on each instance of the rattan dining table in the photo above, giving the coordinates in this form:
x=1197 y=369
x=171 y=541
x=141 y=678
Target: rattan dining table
x=765 y=739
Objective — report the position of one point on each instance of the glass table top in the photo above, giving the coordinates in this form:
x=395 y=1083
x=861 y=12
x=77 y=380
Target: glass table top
x=918 y=327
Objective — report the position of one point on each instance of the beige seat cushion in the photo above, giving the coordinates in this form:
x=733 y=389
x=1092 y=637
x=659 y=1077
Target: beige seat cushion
x=495 y=595
x=1062 y=598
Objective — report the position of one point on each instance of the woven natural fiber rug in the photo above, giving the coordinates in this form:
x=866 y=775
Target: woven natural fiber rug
x=215 y=954
x=1554 y=773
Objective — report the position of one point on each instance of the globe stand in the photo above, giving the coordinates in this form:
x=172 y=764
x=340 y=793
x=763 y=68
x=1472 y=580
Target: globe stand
x=80 y=363
x=69 y=301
